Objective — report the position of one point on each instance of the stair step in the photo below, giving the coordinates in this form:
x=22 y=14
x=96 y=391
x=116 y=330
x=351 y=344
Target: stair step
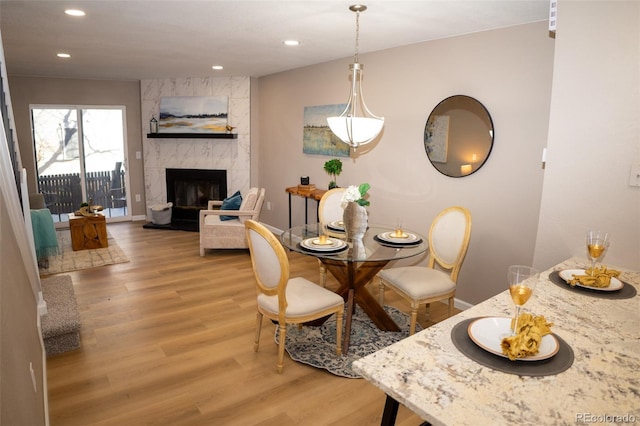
x=61 y=324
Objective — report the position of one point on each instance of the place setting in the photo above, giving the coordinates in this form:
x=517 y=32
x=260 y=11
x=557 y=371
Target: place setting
x=594 y=281
x=524 y=345
x=398 y=237
x=336 y=229
x=324 y=243
x=336 y=226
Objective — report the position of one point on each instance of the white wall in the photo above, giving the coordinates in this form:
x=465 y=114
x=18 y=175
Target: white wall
x=508 y=70
x=22 y=354
x=594 y=134
x=233 y=155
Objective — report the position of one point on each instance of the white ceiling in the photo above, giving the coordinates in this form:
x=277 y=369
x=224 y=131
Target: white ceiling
x=139 y=39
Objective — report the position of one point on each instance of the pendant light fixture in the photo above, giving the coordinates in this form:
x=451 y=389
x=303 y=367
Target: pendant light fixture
x=356 y=125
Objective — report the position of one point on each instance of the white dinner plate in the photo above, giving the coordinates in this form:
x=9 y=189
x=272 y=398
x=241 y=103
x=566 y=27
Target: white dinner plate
x=336 y=225
x=568 y=274
x=334 y=244
x=489 y=332
x=407 y=238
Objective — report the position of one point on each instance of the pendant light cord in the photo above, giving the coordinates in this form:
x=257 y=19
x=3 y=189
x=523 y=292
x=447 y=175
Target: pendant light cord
x=357 y=35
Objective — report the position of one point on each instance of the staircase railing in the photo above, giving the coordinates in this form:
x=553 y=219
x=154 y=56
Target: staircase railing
x=11 y=186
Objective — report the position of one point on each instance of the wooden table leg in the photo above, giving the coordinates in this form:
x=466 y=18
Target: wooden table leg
x=359 y=277
x=353 y=276
x=347 y=328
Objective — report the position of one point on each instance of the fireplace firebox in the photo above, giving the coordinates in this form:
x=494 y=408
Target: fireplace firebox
x=190 y=189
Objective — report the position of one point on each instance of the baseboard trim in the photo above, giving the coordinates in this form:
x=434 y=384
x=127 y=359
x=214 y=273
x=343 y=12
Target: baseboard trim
x=461 y=304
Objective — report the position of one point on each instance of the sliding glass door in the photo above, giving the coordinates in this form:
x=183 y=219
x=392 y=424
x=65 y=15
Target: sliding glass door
x=81 y=157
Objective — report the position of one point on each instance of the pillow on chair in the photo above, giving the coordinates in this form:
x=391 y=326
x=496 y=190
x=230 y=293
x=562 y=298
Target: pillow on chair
x=249 y=203
x=231 y=203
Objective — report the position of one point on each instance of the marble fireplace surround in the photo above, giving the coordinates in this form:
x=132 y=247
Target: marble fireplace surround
x=232 y=155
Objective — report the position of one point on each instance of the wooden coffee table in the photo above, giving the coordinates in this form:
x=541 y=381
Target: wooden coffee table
x=88 y=232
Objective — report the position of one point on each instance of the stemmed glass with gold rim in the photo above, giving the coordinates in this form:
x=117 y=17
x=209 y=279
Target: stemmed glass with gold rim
x=522 y=281
x=597 y=244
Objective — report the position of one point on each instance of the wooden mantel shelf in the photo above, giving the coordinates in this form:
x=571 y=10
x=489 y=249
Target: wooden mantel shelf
x=193 y=135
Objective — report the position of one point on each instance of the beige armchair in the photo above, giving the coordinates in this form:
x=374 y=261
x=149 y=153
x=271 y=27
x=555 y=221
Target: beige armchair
x=229 y=234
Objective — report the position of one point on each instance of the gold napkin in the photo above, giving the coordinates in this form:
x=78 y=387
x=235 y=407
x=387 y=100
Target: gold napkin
x=601 y=278
x=527 y=339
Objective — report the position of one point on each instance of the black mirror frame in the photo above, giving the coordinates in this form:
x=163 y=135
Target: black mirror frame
x=426 y=135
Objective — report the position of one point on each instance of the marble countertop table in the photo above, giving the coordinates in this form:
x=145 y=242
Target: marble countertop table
x=427 y=374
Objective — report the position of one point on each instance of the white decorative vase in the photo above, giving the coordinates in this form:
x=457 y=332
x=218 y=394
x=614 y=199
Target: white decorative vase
x=355 y=221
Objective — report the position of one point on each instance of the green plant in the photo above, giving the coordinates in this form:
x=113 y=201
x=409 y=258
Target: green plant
x=333 y=167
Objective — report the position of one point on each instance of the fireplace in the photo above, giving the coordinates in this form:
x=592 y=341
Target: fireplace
x=190 y=189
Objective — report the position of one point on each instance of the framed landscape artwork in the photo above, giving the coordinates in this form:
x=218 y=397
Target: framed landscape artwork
x=193 y=114
x=317 y=137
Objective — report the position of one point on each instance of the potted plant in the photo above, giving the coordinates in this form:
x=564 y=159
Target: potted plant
x=333 y=167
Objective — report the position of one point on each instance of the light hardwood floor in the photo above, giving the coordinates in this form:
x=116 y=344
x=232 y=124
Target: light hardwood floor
x=167 y=339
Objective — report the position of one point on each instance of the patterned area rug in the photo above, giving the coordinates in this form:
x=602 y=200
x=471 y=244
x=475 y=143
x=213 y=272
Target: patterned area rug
x=316 y=346
x=71 y=260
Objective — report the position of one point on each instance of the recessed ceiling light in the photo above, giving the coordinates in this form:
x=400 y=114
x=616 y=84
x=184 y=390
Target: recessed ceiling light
x=217 y=67
x=63 y=55
x=291 y=42
x=74 y=12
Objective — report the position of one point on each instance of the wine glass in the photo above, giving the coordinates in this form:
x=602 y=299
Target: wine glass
x=522 y=280
x=597 y=243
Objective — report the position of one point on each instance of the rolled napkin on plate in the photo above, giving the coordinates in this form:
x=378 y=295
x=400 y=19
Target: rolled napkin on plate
x=527 y=339
x=600 y=278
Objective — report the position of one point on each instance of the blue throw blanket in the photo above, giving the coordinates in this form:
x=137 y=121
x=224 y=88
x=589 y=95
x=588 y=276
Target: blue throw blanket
x=44 y=233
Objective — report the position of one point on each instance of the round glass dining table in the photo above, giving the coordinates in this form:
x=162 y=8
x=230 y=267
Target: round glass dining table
x=354 y=266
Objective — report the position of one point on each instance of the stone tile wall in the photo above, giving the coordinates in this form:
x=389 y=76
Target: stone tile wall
x=232 y=155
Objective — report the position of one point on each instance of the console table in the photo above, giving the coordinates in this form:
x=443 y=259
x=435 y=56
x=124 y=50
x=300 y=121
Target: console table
x=315 y=194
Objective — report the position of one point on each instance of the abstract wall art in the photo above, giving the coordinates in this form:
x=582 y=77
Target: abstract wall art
x=193 y=114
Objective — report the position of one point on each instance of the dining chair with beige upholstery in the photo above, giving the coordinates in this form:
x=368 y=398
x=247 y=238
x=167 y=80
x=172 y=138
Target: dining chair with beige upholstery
x=282 y=298
x=329 y=210
x=448 y=242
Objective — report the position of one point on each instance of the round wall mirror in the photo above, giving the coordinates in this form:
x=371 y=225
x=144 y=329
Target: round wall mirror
x=458 y=136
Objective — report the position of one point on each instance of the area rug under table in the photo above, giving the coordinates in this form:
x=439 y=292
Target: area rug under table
x=316 y=346
x=69 y=260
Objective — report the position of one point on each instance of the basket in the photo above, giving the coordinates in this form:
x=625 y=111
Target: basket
x=161 y=215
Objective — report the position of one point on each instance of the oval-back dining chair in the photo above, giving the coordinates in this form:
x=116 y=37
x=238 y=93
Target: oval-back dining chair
x=329 y=210
x=284 y=299
x=448 y=242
